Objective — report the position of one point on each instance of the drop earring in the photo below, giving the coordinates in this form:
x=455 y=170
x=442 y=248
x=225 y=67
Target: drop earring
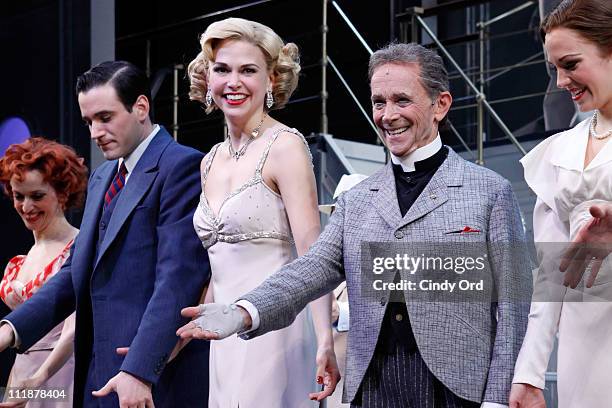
x=208 y=101
x=269 y=99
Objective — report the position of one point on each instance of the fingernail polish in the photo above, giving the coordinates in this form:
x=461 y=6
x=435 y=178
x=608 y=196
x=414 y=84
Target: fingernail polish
x=319 y=380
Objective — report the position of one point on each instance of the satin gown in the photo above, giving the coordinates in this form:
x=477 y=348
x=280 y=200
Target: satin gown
x=582 y=317
x=247 y=241
x=14 y=292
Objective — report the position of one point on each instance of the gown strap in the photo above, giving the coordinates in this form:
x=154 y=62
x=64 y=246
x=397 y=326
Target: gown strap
x=264 y=156
x=209 y=160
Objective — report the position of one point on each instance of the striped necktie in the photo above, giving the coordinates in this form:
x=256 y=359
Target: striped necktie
x=116 y=185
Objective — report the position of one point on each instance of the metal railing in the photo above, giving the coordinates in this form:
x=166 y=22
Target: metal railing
x=363 y=42
x=328 y=61
x=481 y=98
x=481 y=101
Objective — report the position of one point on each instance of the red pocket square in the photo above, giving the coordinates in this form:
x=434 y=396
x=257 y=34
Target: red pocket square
x=465 y=230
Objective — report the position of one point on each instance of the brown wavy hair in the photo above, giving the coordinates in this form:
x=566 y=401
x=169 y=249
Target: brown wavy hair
x=59 y=165
x=589 y=18
x=283 y=60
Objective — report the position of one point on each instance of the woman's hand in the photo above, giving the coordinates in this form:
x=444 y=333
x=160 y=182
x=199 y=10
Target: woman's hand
x=29 y=383
x=328 y=373
x=592 y=244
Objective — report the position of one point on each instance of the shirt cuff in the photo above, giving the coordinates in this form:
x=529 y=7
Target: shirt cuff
x=16 y=339
x=492 y=405
x=343 y=316
x=252 y=311
x=533 y=380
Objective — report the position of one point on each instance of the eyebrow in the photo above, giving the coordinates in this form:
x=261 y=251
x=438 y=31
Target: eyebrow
x=17 y=191
x=98 y=114
x=400 y=95
x=251 y=64
x=569 y=55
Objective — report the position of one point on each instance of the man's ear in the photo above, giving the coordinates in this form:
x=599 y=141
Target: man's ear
x=141 y=108
x=442 y=105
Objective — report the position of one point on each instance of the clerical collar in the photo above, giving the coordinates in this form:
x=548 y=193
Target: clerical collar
x=408 y=161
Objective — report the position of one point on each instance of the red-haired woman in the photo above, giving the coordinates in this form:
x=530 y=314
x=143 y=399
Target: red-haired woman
x=44 y=179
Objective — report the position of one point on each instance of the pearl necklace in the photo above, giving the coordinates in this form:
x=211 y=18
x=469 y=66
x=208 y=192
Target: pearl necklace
x=237 y=154
x=592 y=132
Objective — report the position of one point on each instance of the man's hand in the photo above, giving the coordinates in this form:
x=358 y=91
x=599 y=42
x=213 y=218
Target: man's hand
x=6 y=336
x=526 y=396
x=591 y=246
x=328 y=373
x=131 y=391
x=123 y=351
x=214 y=321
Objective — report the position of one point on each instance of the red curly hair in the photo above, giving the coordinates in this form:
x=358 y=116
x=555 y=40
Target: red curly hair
x=59 y=165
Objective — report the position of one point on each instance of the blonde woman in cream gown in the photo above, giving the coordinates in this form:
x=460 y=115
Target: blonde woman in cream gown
x=257 y=211
x=248 y=240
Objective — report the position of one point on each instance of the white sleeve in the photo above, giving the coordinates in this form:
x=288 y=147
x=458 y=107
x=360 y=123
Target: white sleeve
x=532 y=361
x=343 y=316
x=17 y=340
x=492 y=405
x=251 y=310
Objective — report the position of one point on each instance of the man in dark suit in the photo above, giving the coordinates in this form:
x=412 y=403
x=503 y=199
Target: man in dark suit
x=126 y=278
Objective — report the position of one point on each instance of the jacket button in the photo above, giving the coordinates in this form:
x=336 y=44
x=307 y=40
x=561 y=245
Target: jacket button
x=399 y=234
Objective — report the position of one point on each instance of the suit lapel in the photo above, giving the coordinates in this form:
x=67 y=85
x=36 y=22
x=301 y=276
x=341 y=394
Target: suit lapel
x=450 y=174
x=83 y=258
x=433 y=196
x=138 y=184
x=93 y=206
x=385 y=201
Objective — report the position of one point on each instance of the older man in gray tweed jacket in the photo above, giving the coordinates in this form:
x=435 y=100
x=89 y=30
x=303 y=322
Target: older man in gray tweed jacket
x=412 y=353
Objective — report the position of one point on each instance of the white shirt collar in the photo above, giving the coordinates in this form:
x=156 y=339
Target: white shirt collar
x=132 y=159
x=422 y=153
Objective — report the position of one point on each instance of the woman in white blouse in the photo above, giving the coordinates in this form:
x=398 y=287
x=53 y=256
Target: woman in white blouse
x=569 y=172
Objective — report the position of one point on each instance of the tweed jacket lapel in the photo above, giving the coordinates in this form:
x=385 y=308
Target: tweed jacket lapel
x=385 y=201
x=450 y=174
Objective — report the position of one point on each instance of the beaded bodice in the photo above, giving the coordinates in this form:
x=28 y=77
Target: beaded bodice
x=253 y=211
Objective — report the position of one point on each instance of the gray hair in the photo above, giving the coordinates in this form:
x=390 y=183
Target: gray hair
x=433 y=73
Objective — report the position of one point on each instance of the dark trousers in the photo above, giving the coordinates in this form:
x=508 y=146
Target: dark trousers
x=402 y=380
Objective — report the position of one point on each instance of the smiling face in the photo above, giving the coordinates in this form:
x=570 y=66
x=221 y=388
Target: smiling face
x=581 y=68
x=239 y=79
x=35 y=200
x=116 y=131
x=402 y=108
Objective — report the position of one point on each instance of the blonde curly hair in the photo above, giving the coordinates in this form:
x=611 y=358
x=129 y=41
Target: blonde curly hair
x=282 y=59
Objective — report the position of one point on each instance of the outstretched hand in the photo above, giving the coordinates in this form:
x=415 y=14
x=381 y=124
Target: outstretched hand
x=214 y=321
x=593 y=243
x=328 y=373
